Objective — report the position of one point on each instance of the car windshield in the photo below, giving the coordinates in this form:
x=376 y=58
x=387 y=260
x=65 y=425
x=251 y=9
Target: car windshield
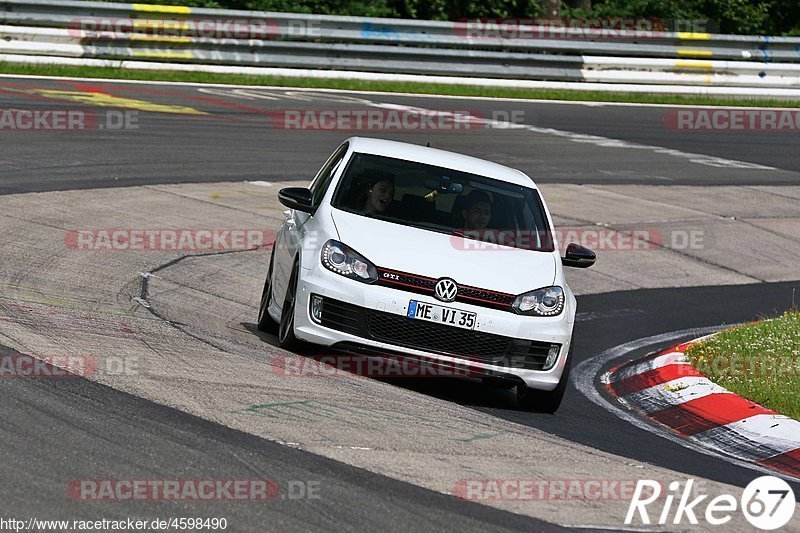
x=444 y=200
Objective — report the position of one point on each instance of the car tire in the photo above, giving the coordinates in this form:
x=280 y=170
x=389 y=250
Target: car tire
x=545 y=401
x=265 y=322
x=286 y=337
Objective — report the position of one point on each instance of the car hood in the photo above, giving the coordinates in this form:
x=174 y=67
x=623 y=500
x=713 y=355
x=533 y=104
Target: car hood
x=436 y=255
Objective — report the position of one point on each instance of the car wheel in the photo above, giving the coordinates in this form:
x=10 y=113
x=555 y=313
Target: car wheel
x=545 y=401
x=266 y=322
x=286 y=336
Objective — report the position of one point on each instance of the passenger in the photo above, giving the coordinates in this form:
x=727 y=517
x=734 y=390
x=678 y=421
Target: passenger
x=377 y=194
x=477 y=210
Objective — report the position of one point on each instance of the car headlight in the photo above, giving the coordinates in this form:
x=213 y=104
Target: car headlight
x=548 y=301
x=343 y=260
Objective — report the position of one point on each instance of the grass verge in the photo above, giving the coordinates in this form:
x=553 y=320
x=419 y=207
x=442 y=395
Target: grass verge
x=760 y=362
x=359 y=85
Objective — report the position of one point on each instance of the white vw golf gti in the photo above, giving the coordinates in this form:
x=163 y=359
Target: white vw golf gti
x=398 y=250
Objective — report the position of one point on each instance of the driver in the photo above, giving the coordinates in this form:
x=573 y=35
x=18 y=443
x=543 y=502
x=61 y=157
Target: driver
x=477 y=210
x=377 y=194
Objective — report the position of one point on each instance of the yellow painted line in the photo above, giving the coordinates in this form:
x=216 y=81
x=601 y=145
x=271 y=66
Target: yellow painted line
x=108 y=100
x=694 y=36
x=152 y=8
x=701 y=53
x=165 y=55
x=705 y=65
x=160 y=38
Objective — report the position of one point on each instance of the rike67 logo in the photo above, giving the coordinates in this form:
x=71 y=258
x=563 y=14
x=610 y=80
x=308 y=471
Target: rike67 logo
x=767 y=502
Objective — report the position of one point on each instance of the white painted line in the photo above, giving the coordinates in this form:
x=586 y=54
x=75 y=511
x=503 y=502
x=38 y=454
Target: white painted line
x=670 y=358
x=779 y=429
x=596 y=140
x=756 y=438
x=673 y=393
x=260 y=183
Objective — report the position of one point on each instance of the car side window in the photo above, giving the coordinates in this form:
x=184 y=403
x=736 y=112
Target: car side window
x=323 y=180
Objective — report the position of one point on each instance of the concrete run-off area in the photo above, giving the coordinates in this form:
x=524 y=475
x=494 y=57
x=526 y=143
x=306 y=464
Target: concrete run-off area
x=179 y=324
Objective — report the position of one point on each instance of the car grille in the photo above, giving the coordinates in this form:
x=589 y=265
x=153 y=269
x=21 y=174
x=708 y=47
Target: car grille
x=397 y=329
x=424 y=285
x=436 y=338
x=344 y=317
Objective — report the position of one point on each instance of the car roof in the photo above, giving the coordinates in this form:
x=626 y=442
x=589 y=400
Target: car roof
x=442 y=158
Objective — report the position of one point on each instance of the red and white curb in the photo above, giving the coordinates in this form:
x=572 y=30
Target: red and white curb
x=668 y=390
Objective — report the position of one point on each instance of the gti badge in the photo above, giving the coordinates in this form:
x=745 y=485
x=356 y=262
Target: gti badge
x=446 y=290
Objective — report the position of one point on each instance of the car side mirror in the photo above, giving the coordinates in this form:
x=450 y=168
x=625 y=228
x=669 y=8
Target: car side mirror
x=297 y=198
x=578 y=256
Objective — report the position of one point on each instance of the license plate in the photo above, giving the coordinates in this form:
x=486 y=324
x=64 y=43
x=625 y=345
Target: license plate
x=441 y=315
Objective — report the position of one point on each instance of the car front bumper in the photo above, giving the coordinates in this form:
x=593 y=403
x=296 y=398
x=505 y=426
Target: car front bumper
x=393 y=304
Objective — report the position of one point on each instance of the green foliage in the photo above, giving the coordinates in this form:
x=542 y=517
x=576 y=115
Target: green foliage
x=356 y=8
x=750 y=17
x=760 y=362
x=784 y=18
x=745 y=17
x=461 y=9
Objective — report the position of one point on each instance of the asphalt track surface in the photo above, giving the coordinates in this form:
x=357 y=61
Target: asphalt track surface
x=654 y=311
x=230 y=135
x=124 y=436
x=80 y=424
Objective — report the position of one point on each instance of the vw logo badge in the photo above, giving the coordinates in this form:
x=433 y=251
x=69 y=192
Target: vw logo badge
x=446 y=290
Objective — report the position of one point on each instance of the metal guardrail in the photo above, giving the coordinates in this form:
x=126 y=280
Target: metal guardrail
x=101 y=30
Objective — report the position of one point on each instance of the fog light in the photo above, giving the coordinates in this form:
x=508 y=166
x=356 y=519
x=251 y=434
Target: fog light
x=552 y=356
x=316 y=309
